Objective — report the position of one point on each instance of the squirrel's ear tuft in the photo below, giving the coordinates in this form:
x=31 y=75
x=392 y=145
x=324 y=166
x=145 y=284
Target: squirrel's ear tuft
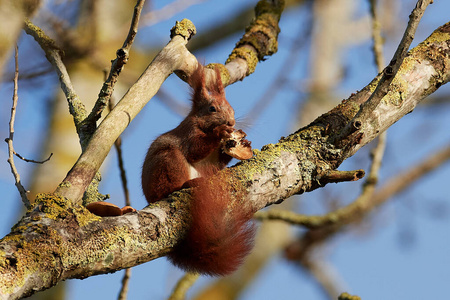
x=197 y=81
x=217 y=87
x=203 y=91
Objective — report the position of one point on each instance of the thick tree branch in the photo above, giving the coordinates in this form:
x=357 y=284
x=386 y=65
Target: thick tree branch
x=57 y=239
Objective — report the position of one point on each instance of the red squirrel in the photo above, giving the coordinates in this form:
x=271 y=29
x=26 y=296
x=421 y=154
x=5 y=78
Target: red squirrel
x=219 y=237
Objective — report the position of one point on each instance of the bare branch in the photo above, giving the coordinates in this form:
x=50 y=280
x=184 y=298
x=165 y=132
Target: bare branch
x=9 y=140
x=389 y=72
x=125 y=281
x=259 y=41
x=340 y=176
x=403 y=180
x=32 y=160
x=183 y=285
x=76 y=107
x=376 y=36
x=325 y=274
x=116 y=67
x=123 y=176
x=367 y=201
x=396 y=61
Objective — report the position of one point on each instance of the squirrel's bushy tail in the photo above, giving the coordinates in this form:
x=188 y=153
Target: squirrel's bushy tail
x=220 y=235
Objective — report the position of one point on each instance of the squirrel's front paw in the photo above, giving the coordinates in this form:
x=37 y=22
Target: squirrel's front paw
x=223 y=131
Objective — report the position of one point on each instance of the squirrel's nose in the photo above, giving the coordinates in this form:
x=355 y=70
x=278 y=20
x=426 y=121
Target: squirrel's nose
x=231 y=123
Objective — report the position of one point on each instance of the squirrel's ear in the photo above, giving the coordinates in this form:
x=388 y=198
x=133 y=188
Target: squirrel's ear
x=197 y=82
x=217 y=86
x=202 y=91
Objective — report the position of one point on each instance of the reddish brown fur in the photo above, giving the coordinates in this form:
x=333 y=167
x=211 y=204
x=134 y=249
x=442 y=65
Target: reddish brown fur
x=218 y=239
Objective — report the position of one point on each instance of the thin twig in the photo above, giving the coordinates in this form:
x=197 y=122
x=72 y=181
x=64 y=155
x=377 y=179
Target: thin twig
x=408 y=177
x=125 y=282
x=325 y=274
x=183 y=285
x=32 y=160
x=9 y=140
x=389 y=72
x=116 y=67
x=378 y=151
x=376 y=36
x=165 y=63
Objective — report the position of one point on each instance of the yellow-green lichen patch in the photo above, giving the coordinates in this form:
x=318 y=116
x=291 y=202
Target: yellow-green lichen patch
x=185 y=28
x=95 y=250
x=374 y=83
x=28 y=258
x=262 y=38
x=56 y=207
x=38 y=33
x=261 y=35
x=349 y=109
x=224 y=74
x=83 y=216
x=263 y=7
x=109 y=259
x=65 y=184
x=295 y=143
x=52 y=205
x=347 y=296
x=438 y=36
x=397 y=91
x=246 y=54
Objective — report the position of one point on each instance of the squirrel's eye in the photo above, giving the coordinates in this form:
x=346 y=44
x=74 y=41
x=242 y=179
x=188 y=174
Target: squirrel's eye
x=212 y=109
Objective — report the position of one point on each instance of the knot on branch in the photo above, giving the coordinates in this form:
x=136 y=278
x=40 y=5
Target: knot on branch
x=341 y=176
